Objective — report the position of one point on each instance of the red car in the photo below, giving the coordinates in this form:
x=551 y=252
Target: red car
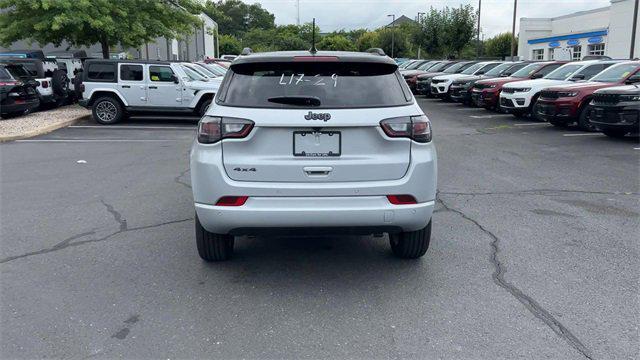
x=486 y=93
x=567 y=104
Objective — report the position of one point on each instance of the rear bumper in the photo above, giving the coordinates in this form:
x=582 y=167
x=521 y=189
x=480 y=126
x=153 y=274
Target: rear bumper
x=29 y=104
x=363 y=213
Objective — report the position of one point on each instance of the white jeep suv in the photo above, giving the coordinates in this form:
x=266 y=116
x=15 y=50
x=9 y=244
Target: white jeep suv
x=520 y=97
x=322 y=142
x=112 y=89
x=440 y=84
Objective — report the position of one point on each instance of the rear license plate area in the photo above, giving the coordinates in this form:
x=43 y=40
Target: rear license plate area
x=317 y=143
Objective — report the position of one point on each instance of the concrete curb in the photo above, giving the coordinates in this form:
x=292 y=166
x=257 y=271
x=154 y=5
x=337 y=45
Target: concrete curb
x=43 y=130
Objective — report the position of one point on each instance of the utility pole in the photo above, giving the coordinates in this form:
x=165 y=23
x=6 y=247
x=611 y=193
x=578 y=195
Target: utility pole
x=513 y=29
x=393 y=35
x=633 y=31
x=478 y=32
x=298 y=9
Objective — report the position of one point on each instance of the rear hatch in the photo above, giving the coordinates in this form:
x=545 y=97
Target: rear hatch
x=315 y=121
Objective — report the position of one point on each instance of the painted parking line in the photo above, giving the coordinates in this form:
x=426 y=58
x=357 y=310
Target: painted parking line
x=469 y=109
x=488 y=116
x=533 y=124
x=584 y=134
x=136 y=127
x=636 y=148
x=94 y=140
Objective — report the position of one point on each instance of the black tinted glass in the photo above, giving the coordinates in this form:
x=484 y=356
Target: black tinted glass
x=131 y=72
x=102 y=72
x=332 y=85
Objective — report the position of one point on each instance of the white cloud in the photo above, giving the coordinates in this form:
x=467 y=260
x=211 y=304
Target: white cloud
x=352 y=14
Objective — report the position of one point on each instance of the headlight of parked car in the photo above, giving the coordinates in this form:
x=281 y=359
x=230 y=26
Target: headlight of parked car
x=568 y=94
x=522 y=90
x=629 y=97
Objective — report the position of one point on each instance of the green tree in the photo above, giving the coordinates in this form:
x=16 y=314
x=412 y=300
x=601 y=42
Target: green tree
x=230 y=45
x=129 y=23
x=368 y=40
x=499 y=45
x=394 y=36
x=234 y=17
x=460 y=27
x=336 y=43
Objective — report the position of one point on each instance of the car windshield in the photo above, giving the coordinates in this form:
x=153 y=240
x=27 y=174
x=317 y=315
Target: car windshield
x=414 y=66
x=427 y=65
x=4 y=74
x=202 y=71
x=563 y=72
x=527 y=71
x=323 y=85
x=17 y=71
x=498 y=69
x=453 y=68
x=405 y=64
x=193 y=75
x=616 y=73
x=472 y=69
x=216 y=69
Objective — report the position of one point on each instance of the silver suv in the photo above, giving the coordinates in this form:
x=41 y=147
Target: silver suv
x=301 y=142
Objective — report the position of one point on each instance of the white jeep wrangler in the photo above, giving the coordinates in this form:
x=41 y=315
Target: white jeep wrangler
x=53 y=82
x=113 y=89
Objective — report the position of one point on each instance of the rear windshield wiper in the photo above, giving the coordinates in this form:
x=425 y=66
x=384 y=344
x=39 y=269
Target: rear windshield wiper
x=300 y=100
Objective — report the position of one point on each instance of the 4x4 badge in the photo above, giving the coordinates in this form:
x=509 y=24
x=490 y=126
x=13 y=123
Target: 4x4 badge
x=318 y=116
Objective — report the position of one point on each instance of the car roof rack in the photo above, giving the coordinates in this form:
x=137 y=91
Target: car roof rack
x=246 y=51
x=376 y=51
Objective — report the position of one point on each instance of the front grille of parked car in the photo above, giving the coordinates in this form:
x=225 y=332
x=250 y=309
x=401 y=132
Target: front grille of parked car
x=606 y=98
x=437 y=81
x=481 y=86
x=548 y=94
x=506 y=102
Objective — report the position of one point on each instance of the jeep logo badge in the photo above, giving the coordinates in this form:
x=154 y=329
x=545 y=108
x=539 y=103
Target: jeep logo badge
x=318 y=116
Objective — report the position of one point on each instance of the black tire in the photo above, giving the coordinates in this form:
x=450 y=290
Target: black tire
x=411 y=245
x=59 y=83
x=213 y=247
x=204 y=107
x=107 y=110
x=618 y=134
x=583 y=120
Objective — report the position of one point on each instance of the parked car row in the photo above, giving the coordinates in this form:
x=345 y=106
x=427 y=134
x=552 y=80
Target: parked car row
x=593 y=94
x=29 y=80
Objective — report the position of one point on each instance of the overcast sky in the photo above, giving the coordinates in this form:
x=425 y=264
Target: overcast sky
x=352 y=14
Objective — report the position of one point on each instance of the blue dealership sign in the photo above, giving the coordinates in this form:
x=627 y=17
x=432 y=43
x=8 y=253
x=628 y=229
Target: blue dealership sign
x=595 y=40
x=573 y=42
x=554 y=44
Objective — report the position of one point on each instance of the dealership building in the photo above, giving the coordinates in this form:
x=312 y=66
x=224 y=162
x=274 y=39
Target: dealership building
x=603 y=31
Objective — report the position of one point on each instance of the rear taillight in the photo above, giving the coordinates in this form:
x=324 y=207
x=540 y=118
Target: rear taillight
x=82 y=88
x=232 y=201
x=212 y=129
x=44 y=83
x=402 y=199
x=8 y=83
x=417 y=128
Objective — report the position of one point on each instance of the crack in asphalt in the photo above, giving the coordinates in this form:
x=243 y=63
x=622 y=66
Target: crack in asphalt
x=177 y=179
x=533 y=306
x=116 y=215
x=68 y=242
x=537 y=192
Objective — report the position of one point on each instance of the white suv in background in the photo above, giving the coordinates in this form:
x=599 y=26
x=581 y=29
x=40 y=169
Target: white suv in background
x=302 y=142
x=112 y=89
x=440 y=84
x=520 y=97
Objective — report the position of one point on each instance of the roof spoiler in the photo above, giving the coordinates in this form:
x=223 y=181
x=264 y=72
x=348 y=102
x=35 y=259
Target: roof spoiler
x=376 y=51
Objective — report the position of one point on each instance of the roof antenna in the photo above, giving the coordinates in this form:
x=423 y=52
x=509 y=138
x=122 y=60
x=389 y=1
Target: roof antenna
x=313 y=49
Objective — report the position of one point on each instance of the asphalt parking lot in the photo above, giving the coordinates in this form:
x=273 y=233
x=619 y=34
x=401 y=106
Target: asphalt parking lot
x=534 y=254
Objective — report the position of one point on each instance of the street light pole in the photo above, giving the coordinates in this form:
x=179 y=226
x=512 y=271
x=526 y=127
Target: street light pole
x=420 y=23
x=513 y=29
x=633 y=30
x=478 y=44
x=393 y=35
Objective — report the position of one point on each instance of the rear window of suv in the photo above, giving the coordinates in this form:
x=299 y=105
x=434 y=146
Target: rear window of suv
x=102 y=72
x=318 y=84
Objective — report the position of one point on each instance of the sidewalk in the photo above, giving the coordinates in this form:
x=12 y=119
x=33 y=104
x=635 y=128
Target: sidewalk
x=41 y=122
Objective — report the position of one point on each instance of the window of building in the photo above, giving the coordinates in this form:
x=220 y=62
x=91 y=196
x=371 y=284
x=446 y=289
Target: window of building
x=576 y=52
x=551 y=52
x=537 y=54
x=131 y=72
x=596 y=49
x=160 y=73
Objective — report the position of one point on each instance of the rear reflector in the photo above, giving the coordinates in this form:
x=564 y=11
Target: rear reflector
x=232 y=201
x=401 y=199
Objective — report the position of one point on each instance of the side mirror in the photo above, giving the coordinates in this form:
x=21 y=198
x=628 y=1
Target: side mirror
x=536 y=76
x=480 y=72
x=633 y=79
x=506 y=74
x=577 y=77
x=175 y=79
